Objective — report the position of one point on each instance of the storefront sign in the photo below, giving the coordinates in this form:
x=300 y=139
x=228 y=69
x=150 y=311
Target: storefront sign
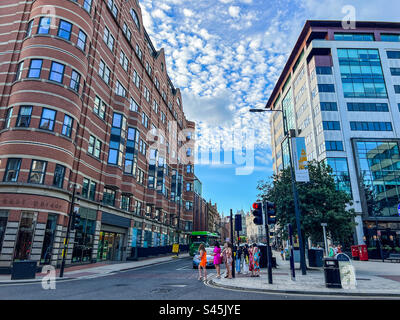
x=31 y=203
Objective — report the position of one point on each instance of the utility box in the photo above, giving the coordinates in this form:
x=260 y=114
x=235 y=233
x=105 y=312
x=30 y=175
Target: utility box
x=22 y=270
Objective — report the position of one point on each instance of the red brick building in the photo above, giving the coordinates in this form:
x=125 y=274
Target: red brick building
x=86 y=101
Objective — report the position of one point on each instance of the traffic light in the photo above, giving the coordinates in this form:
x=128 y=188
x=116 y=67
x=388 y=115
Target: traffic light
x=271 y=207
x=258 y=213
x=76 y=220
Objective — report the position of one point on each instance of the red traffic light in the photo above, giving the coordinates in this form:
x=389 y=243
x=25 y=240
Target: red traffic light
x=256 y=205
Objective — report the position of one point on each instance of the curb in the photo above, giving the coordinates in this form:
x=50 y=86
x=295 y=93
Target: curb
x=30 y=281
x=320 y=293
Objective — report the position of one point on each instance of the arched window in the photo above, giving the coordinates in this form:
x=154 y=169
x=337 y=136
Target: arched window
x=135 y=18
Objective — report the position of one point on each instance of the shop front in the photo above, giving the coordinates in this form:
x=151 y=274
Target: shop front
x=113 y=238
x=382 y=237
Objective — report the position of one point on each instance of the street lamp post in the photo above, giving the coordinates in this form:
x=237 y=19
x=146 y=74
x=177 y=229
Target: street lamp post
x=71 y=213
x=294 y=188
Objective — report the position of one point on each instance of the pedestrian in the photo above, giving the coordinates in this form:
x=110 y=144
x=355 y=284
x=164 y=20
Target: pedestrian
x=282 y=253
x=332 y=251
x=251 y=260
x=256 y=252
x=223 y=255
x=229 y=260
x=339 y=249
x=203 y=261
x=246 y=259
x=217 y=259
x=238 y=257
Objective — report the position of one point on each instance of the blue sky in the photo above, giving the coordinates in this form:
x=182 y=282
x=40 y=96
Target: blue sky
x=226 y=56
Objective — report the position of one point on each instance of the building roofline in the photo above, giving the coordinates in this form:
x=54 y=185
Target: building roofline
x=320 y=23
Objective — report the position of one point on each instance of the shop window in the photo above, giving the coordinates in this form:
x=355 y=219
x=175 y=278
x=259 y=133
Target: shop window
x=83 y=244
x=25 y=236
x=48 y=240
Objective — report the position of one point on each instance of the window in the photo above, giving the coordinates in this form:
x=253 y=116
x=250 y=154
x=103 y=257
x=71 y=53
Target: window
x=369 y=107
x=329 y=106
x=138 y=208
x=38 y=171
x=12 y=170
x=334 y=145
x=99 y=107
x=326 y=88
x=48 y=239
x=44 y=25
x=132 y=147
x=48 y=119
x=75 y=81
x=390 y=37
x=123 y=60
x=354 y=36
x=136 y=79
x=395 y=71
x=155 y=106
x=146 y=94
x=23 y=247
x=35 y=68
x=113 y=8
x=125 y=202
x=331 y=125
x=104 y=72
x=87 y=5
x=24 y=116
x=189 y=187
x=139 y=52
x=134 y=105
x=108 y=39
x=148 y=69
x=393 y=54
x=109 y=197
x=120 y=90
x=189 y=168
x=3 y=226
x=145 y=120
x=94 y=147
x=58 y=179
x=370 y=126
x=81 y=42
x=64 y=30
x=397 y=89
x=117 y=139
x=362 y=74
x=142 y=147
x=57 y=72
x=188 y=205
x=29 y=29
x=127 y=31
x=323 y=70
x=135 y=18
x=340 y=173
x=67 y=126
x=18 y=74
x=8 y=118
x=140 y=176
x=89 y=189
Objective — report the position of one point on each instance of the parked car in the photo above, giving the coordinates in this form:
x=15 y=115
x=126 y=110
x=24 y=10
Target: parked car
x=210 y=259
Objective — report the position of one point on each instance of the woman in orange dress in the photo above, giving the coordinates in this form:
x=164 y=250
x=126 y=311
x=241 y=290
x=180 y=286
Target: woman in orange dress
x=203 y=261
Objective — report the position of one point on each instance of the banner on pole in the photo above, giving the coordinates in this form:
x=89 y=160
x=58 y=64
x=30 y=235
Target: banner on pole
x=300 y=159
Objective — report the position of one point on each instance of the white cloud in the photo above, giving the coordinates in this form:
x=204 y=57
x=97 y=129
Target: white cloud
x=234 y=11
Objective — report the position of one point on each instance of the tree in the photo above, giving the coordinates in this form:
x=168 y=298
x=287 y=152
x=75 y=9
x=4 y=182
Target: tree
x=320 y=202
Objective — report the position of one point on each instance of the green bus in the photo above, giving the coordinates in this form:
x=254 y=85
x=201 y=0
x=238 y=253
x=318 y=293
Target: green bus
x=197 y=237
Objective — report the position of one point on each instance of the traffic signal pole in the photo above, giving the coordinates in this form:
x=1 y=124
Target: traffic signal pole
x=233 y=246
x=269 y=252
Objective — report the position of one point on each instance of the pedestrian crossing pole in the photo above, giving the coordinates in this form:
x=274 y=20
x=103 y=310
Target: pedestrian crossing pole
x=233 y=246
x=269 y=252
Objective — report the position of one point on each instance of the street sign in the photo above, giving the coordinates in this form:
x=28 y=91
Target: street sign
x=324 y=224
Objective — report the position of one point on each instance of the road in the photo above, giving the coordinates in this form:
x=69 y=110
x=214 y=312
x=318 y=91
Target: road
x=174 y=280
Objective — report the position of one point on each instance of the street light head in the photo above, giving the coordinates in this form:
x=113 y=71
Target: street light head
x=257 y=110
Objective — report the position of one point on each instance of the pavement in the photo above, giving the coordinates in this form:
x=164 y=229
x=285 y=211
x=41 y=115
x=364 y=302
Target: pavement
x=373 y=278
x=95 y=270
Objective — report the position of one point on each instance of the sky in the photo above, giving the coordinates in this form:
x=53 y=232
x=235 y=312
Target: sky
x=226 y=56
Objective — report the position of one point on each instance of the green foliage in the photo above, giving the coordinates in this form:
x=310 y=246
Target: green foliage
x=319 y=200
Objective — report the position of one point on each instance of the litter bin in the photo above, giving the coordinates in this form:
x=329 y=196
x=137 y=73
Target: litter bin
x=355 y=253
x=315 y=257
x=332 y=273
x=25 y=269
x=363 y=252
